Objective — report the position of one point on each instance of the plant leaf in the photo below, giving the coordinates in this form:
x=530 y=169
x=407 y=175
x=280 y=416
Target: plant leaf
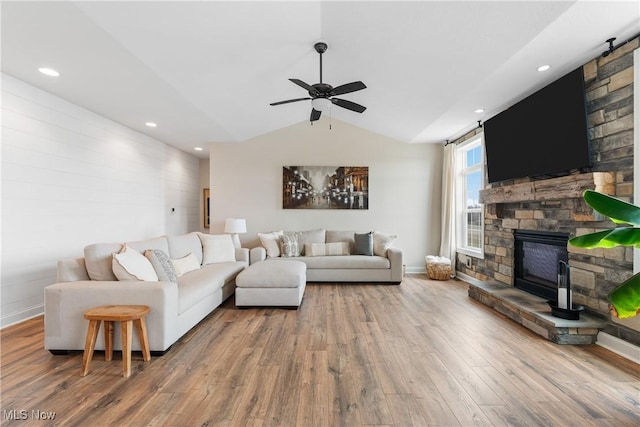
x=621 y=236
x=619 y=211
x=626 y=298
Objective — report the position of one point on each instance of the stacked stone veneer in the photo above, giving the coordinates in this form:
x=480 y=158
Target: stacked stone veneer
x=594 y=273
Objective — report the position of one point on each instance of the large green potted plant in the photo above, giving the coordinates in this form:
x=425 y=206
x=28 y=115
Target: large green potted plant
x=625 y=299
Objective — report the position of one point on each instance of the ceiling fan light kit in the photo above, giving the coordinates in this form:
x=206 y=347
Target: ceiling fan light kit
x=322 y=94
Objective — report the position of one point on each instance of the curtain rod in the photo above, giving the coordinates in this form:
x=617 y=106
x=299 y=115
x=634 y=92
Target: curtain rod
x=451 y=142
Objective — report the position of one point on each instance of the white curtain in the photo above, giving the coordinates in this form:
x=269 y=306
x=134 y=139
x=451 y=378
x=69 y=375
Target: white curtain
x=448 y=231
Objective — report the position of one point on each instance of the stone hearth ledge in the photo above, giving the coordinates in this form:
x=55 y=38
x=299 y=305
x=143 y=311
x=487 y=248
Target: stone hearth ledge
x=534 y=313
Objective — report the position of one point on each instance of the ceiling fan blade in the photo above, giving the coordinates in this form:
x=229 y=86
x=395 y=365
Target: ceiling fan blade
x=348 y=105
x=303 y=85
x=315 y=115
x=289 y=100
x=348 y=88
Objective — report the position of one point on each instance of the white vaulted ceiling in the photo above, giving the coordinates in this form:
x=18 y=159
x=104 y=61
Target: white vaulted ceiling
x=206 y=71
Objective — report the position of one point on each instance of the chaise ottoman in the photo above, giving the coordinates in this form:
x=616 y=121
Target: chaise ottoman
x=278 y=283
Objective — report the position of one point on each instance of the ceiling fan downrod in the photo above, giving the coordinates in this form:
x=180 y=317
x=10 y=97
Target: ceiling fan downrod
x=321 y=48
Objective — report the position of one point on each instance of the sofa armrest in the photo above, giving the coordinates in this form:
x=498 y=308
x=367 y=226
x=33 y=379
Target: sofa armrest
x=257 y=254
x=242 y=254
x=395 y=259
x=64 y=304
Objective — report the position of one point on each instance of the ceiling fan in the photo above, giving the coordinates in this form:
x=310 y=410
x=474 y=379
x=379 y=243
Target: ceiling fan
x=322 y=94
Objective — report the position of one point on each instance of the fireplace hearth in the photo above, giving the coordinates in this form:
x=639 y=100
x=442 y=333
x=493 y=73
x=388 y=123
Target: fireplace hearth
x=536 y=258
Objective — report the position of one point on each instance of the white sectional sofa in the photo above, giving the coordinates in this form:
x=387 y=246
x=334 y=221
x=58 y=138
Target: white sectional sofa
x=343 y=259
x=210 y=267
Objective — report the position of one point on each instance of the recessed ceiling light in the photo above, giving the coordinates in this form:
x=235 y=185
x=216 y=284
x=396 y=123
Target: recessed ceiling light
x=151 y=124
x=197 y=148
x=49 y=71
x=479 y=110
x=544 y=67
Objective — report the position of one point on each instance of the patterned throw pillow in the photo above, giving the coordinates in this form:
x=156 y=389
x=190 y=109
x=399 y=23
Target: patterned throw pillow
x=162 y=265
x=290 y=246
x=363 y=243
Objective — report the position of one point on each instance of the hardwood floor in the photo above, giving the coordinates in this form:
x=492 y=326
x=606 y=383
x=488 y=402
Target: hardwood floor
x=418 y=354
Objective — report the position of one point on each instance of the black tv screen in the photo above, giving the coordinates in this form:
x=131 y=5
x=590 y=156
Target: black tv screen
x=544 y=134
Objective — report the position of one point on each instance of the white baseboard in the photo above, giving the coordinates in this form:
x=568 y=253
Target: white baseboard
x=618 y=346
x=415 y=270
x=21 y=316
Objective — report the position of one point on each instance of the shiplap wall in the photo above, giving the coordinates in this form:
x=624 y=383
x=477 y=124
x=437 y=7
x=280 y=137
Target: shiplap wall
x=71 y=178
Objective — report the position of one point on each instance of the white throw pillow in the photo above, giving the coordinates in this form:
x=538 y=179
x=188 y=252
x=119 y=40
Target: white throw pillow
x=185 y=264
x=326 y=249
x=271 y=242
x=217 y=248
x=129 y=264
x=382 y=242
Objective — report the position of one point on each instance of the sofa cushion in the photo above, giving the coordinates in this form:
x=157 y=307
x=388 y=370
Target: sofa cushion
x=185 y=264
x=333 y=236
x=328 y=249
x=277 y=274
x=98 y=257
x=363 y=243
x=217 y=248
x=196 y=285
x=343 y=262
x=382 y=242
x=289 y=245
x=185 y=244
x=271 y=242
x=162 y=265
x=310 y=236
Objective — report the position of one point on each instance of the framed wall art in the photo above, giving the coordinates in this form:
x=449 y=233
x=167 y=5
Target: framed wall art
x=325 y=187
x=206 y=204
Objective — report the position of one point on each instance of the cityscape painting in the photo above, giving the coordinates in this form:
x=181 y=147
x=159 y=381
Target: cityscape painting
x=325 y=187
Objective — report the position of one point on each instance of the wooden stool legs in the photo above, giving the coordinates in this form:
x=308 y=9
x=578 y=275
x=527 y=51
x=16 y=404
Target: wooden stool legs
x=126 y=331
x=89 y=345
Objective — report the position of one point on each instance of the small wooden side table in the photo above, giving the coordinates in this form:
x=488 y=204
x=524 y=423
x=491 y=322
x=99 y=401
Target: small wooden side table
x=127 y=315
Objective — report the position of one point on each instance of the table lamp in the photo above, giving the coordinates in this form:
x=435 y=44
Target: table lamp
x=234 y=226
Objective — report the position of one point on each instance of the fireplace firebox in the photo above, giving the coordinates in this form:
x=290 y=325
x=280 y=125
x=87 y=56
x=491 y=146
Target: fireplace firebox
x=536 y=258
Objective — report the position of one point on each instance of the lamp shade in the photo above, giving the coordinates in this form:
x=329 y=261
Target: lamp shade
x=235 y=225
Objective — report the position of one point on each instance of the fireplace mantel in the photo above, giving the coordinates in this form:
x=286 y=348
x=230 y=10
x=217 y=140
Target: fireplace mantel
x=565 y=187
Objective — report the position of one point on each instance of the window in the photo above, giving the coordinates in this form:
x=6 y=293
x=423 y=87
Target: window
x=470 y=232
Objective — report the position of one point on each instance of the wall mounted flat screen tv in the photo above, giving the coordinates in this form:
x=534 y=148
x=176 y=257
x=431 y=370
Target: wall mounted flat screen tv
x=544 y=134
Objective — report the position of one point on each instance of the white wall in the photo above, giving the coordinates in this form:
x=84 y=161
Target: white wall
x=404 y=184
x=71 y=178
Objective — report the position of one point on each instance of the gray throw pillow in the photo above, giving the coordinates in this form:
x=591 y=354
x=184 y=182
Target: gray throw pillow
x=162 y=265
x=363 y=243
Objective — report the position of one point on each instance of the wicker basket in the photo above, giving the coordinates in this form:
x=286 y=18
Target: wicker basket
x=438 y=268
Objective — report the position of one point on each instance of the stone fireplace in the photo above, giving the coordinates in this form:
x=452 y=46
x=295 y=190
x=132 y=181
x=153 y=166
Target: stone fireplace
x=555 y=204
x=551 y=209
x=549 y=206
x=536 y=258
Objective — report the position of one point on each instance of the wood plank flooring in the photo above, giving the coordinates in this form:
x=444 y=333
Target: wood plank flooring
x=419 y=354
